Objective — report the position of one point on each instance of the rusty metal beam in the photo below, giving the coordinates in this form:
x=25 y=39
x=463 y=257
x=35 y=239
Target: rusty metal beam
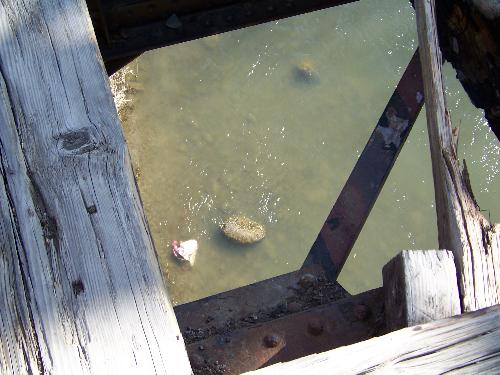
x=129 y=28
x=353 y=205
x=315 y=330
x=256 y=303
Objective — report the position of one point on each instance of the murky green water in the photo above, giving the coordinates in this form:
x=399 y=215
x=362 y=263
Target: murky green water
x=224 y=125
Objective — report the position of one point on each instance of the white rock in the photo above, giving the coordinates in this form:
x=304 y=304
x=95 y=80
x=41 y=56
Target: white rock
x=185 y=250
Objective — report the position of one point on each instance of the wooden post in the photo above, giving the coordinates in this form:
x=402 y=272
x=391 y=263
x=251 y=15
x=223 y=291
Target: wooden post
x=462 y=228
x=420 y=286
x=80 y=286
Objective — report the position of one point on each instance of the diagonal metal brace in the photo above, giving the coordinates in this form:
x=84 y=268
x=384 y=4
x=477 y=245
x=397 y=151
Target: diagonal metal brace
x=353 y=205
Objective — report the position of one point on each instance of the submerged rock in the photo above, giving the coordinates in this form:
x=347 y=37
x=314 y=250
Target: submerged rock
x=305 y=72
x=243 y=230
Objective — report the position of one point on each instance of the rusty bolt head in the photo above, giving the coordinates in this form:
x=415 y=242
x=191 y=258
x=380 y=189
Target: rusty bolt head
x=315 y=327
x=307 y=280
x=272 y=340
x=362 y=312
x=293 y=307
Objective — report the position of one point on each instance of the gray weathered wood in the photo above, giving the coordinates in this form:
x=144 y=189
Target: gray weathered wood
x=420 y=286
x=80 y=286
x=462 y=228
x=466 y=344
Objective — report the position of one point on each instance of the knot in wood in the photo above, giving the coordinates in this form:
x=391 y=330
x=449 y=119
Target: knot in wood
x=77 y=142
x=78 y=287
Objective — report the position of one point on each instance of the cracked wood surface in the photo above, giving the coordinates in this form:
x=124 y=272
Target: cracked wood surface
x=420 y=286
x=80 y=286
x=462 y=228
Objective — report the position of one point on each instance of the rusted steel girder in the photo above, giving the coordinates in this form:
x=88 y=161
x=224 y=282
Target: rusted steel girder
x=126 y=28
x=256 y=303
x=315 y=330
x=274 y=320
x=353 y=205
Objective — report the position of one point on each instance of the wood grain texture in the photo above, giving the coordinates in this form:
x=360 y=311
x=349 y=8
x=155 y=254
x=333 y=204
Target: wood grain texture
x=420 y=286
x=80 y=286
x=462 y=228
x=465 y=344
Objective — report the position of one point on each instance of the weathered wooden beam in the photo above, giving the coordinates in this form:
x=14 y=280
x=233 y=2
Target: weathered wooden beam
x=466 y=344
x=462 y=228
x=420 y=286
x=80 y=286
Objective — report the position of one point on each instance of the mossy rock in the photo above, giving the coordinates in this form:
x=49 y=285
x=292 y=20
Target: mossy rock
x=243 y=230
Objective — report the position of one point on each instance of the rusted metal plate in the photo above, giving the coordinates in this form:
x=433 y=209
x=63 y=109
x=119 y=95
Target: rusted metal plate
x=293 y=336
x=353 y=205
x=256 y=303
x=132 y=27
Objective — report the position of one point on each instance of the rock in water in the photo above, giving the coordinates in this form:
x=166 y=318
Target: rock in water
x=305 y=73
x=243 y=230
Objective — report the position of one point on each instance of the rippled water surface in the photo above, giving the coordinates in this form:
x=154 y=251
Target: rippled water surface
x=228 y=125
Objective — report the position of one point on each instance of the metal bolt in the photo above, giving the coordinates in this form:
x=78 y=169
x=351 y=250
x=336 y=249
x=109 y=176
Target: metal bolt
x=201 y=347
x=294 y=307
x=362 y=312
x=315 y=327
x=272 y=340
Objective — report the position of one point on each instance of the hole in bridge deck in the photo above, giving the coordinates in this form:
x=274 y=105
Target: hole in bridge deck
x=268 y=122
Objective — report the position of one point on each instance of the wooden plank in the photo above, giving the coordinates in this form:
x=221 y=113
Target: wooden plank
x=462 y=228
x=469 y=343
x=420 y=286
x=80 y=286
